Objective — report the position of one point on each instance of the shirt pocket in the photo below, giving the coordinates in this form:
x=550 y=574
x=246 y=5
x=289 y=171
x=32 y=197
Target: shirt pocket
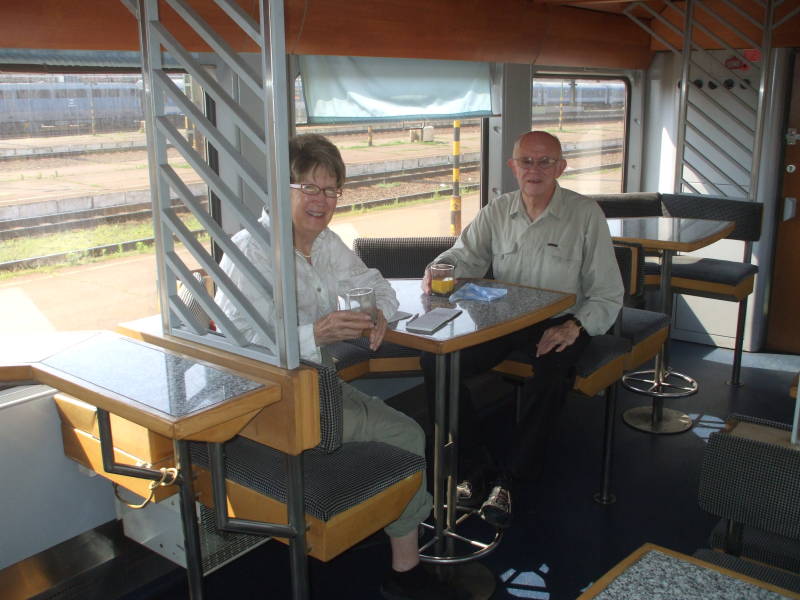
x=563 y=262
x=505 y=258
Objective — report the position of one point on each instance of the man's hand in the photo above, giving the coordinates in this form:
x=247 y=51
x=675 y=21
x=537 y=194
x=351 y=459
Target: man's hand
x=345 y=325
x=558 y=337
x=426 y=282
x=378 y=331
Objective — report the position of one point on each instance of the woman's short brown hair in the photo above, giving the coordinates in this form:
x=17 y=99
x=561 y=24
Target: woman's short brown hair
x=310 y=151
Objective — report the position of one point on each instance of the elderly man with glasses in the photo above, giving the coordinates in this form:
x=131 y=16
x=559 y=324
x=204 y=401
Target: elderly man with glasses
x=545 y=236
x=325 y=269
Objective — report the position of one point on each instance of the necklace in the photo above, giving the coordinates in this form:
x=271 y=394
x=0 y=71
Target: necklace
x=306 y=256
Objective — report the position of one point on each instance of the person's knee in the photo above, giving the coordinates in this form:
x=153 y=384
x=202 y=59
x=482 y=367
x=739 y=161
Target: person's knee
x=416 y=437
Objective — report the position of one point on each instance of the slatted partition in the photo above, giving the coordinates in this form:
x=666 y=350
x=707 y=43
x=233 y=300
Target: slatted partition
x=723 y=96
x=174 y=160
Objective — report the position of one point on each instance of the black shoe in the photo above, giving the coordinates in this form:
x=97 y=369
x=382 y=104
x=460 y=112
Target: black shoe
x=416 y=584
x=497 y=508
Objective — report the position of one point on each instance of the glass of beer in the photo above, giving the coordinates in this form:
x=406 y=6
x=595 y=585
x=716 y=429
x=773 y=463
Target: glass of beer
x=442 y=280
x=362 y=300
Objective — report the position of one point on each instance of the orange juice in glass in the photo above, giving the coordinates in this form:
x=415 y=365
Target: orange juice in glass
x=442 y=280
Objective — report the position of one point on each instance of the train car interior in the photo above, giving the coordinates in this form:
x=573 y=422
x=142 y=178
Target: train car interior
x=155 y=448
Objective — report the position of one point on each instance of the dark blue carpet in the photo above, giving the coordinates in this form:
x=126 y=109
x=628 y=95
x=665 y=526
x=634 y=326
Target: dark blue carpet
x=561 y=541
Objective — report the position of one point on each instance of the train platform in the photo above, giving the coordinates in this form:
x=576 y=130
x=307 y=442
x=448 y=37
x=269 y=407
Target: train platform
x=68 y=182
x=100 y=295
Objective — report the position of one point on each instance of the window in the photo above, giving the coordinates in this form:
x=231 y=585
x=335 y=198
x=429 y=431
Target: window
x=69 y=151
x=588 y=116
x=400 y=178
x=400 y=175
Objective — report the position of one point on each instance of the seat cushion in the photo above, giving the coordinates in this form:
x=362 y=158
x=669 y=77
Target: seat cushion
x=725 y=272
x=333 y=482
x=761 y=546
x=345 y=354
x=706 y=277
x=386 y=350
x=638 y=325
x=601 y=350
x=764 y=573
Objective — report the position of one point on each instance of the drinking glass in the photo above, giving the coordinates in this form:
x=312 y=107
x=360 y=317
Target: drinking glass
x=442 y=280
x=362 y=300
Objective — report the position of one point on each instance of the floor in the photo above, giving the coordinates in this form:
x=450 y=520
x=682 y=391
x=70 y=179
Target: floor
x=561 y=541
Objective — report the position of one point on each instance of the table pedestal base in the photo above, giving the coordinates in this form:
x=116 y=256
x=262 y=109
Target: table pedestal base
x=471 y=581
x=672 y=421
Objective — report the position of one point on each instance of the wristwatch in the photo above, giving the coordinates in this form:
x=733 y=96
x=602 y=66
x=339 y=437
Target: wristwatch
x=577 y=322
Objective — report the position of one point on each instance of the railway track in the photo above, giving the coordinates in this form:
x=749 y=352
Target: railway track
x=57 y=150
x=436 y=174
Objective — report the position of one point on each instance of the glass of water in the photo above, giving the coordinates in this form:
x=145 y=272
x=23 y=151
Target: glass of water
x=362 y=300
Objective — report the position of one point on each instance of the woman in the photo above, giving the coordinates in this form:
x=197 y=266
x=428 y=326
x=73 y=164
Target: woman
x=325 y=269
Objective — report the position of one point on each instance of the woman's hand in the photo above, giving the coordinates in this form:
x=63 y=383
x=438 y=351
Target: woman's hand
x=378 y=331
x=344 y=325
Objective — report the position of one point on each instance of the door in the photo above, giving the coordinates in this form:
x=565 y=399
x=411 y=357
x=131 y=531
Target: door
x=783 y=325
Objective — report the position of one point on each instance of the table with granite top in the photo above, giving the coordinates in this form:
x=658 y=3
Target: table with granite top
x=656 y=573
x=172 y=394
x=478 y=322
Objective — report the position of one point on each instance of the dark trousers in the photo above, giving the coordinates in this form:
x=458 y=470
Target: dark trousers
x=543 y=397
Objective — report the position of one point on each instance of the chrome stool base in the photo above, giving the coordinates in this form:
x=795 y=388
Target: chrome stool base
x=672 y=421
x=470 y=549
x=670 y=385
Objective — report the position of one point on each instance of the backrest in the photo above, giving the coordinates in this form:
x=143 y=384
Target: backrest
x=746 y=215
x=630 y=259
x=750 y=476
x=630 y=204
x=401 y=256
x=330 y=409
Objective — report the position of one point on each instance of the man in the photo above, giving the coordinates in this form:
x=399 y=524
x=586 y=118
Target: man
x=325 y=268
x=542 y=236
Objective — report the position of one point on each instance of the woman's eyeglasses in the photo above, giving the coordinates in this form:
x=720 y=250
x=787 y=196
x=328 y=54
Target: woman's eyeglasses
x=313 y=190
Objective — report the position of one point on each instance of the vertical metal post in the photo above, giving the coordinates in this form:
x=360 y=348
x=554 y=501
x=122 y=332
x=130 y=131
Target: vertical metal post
x=455 y=200
x=452 y=445
x=604 y=496
x=298 y=558
x=680 y=138
x=438 y=451
x=273 y=75
x=191 y=531
x=151 y=59
x=763 y=96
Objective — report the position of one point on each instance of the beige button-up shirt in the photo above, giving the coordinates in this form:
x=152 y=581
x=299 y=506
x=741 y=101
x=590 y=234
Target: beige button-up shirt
x=567 y=248
x=333 y=270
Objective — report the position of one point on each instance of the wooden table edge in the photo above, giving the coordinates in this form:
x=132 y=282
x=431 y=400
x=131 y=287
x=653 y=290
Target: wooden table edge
x=678 y=246
x=429 y=344
x=602 y=583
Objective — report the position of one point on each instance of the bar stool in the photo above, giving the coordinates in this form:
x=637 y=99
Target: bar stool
x=715 y=278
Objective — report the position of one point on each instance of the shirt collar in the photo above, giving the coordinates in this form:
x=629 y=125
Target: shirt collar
x=555 y=207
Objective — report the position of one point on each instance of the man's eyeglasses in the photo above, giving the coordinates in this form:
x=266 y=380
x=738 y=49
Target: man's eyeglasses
x=543 y=163
x=312 y=190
